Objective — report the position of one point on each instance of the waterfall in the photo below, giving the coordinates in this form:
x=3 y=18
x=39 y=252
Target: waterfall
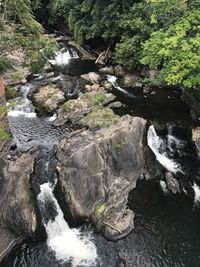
x=164 y=187
x=24 y=106
x=68 y=244
x=158 y=147
x=196 y=189
x=63 y=57
x=113 y=80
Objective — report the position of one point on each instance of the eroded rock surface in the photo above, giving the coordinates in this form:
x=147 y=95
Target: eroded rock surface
x=48 y=97
x=17 y=209
x=97 y=170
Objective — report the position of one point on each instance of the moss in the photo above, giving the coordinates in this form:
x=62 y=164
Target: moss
x=101 y=117
x=101 y=209
x=4 y=135
x=100 y=98
x=17 y=76
x=119 y=144
x=69 y=106
x=11 y=93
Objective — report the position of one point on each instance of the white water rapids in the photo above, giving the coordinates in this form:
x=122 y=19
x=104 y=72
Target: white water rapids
x=113 y=80
x=68 y=244
x=157 y=145
x=63 y=57
x=196 y=189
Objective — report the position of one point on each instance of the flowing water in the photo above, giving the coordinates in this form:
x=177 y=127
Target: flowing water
x=166 y=230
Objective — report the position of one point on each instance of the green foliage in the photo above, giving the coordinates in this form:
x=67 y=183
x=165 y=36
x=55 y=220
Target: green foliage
x=4 y=135
x=101 y=209
x=10 y=93
x=100 y=98
x=176 y=51
x=20 y=30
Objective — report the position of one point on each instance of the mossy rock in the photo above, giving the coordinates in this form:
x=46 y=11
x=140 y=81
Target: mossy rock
x=4 y=135
x=100 y=117
x=11 y=93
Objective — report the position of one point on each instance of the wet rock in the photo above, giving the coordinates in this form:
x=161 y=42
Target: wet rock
x=172 y=183
x=107 y=70
x=48 y=97
x=116 y=70
x=17 y=209
x=97 y=170
x=119 y=71
x=131 y=80
x=191 y=97
x=107 y=85
x=196 y=139
x=84 y=53
x=85 y=109
x=94 y=87
x=92 y=77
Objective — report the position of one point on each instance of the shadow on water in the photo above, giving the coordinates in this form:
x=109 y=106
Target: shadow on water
x=166 y=234
x=162 y=105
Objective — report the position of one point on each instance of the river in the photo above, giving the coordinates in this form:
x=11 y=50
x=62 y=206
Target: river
x=166 y=230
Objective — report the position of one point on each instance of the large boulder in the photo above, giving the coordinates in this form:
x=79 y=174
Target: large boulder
x=92 y=77
x=17 y=209
x=97 y=170
x=87 y=110
x=48 y=98
x=131 y=80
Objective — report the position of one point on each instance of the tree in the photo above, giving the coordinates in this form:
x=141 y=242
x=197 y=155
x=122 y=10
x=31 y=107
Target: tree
x=175 y=51
x=20 y=30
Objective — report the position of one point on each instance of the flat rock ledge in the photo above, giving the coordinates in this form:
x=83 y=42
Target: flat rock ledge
x=98 y=169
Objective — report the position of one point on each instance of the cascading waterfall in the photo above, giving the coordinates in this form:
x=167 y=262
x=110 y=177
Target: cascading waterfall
x=24 y=107
x=158 y=147
x=164 y=187
x=68 y=244
x=196 y=189
x=63 y=57
x=113 y=80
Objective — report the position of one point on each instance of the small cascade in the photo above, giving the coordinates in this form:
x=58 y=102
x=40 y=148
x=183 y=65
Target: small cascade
x=113 y=80
x=63 y=57
x=39 y=131
x=196 y=189
x=164 y=187
x=158 y=146
x=25 y=106
x=69 y=245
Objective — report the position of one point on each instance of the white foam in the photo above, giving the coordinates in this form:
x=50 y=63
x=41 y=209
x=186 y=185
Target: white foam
x=68 y=244
x=17 y=113
x=53 y=118
x=155 y=143
x=164 y=187
x=63 y=57
x=113 y=80
x=196 y=189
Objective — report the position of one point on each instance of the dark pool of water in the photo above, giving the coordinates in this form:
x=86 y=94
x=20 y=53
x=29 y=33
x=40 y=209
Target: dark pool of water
x=166 y=234
x=77 y=67
x=162 y=105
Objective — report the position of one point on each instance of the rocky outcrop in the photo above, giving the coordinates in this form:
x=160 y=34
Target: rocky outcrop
x=113 y=70
x=17 y=210
x=92 y=77
x=87 y=110
x=48 y=98
x=97 y=170
x=131 y=80
x=196 y=139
